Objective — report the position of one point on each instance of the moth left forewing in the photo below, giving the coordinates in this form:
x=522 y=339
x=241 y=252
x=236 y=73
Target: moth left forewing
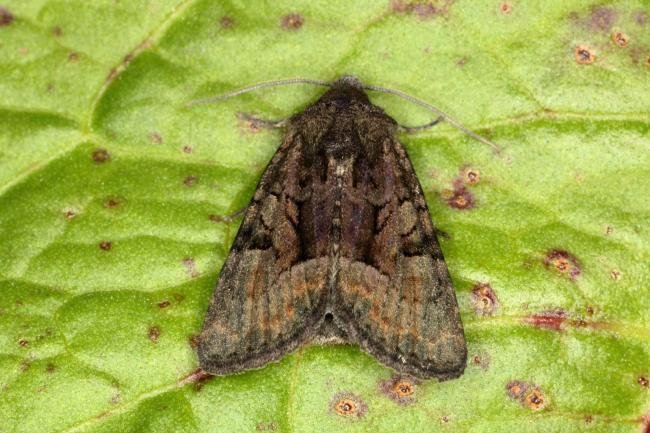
x=267 y=300
x=400 y=296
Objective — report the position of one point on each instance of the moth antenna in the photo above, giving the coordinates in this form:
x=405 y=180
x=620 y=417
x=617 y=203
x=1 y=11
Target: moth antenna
x=455 y=123
x=257 y=86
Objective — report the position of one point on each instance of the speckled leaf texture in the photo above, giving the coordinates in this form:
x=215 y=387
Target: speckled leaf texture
x=116 y=197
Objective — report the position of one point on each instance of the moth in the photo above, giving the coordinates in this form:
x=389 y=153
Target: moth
x=337 y=243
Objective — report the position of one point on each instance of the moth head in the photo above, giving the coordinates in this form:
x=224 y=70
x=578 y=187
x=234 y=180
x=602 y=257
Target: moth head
x=349 y=81
x=346 y=91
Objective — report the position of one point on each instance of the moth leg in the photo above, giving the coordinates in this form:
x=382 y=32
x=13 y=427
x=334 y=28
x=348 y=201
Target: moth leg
x=228 y=218
x=414 y=129
x=262 y=123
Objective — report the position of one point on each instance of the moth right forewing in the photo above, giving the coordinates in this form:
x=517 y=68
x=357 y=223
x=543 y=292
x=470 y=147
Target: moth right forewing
x=399 y=296
x=266 y=299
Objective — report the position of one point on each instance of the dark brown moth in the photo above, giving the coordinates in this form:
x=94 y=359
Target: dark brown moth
x=336 y=242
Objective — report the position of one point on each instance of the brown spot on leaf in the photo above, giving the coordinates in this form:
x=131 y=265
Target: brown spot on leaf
x=552 y=319
x=399 y=6
x=535 y=399
x=106 y=245
x=602 y=18
x=643 y=381
x=609 y=230
x=250 y=123
x=100 y=155
x=348 y=405
x=505 y=8
x=516 y=389
x=23 y=342
x=579 y=323
x=6 y=17
x=424 y=10
x=73 y=57
x=155 y=137
x=112 y=202
x=216 y=218
x=620 y=39
x=190 y=181
x=266 y=426
x=25 y=364
x=50 y=368
x=584 y=55
x=226 y=22
x=164 y=304
x=69 y=214
x=484 y=300
x=481 y=360
x=193 y=341
x=527 y=394
x=190 y=266
x=292 y=21
x=153 y=333
x=459 y=198
x=188 y=149
x=471 y=175
x=615 y=274
x=399 y=388
x=56 y=31
x=563 y=262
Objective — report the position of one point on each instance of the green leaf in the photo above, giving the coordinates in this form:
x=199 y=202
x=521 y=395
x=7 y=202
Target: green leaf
x=114 y=197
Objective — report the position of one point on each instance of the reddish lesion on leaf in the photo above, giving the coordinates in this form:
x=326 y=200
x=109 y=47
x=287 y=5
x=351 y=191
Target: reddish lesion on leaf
x=6 y=17
x=423 y=9
x=552 y=319
x=459 y=198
